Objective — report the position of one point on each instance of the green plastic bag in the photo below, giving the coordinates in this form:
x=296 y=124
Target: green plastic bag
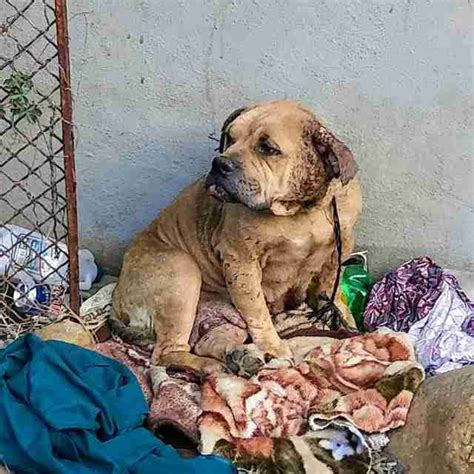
x=356 y=284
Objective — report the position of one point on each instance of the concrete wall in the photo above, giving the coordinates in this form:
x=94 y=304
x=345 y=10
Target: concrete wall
x=393 y=78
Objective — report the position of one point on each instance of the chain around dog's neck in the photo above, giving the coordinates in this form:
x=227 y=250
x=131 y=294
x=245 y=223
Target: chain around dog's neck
x=329 y=312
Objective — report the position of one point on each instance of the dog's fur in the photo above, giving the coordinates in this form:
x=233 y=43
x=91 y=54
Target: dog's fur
x=255 y=233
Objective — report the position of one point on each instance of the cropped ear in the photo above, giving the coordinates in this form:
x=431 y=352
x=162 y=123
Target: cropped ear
x=338 y=159
x=225 y=126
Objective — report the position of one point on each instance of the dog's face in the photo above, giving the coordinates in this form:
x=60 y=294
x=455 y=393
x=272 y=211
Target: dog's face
x=277 y=157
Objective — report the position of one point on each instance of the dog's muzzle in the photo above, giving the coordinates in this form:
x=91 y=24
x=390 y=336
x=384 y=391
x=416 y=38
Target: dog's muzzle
x=220 y=179
x=224 y=166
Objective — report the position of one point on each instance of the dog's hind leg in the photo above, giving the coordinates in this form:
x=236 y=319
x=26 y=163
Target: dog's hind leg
x=158 y=291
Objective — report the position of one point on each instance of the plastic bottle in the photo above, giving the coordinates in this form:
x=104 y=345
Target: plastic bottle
x=356 y=283
x=31 y=300
x=32 y=252
x=87 y=269
x=46 y=264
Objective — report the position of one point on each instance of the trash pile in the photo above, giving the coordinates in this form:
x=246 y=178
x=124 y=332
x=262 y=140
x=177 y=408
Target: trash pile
x=33 y=280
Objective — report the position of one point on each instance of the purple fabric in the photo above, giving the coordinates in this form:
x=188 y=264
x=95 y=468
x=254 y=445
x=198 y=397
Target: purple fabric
x=425 y=301
x=408 y=294
x=468 y=325
x=441 y=340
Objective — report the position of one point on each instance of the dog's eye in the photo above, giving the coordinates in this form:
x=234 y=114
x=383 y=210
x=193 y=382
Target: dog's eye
x=265 y=148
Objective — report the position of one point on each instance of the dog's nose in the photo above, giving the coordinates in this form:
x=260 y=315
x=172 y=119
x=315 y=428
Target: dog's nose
x=224 y=165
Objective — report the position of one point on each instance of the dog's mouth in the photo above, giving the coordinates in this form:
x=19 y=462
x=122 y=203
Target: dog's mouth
x=217 y=190
x=219 y=193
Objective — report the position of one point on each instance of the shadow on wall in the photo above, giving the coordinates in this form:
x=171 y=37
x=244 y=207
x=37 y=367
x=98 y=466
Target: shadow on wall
x=141 y=186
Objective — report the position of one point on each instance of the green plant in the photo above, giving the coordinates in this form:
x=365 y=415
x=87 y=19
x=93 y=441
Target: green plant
x=18 y=87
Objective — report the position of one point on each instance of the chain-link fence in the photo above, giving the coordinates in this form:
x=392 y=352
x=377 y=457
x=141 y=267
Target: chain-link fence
x=38 y=223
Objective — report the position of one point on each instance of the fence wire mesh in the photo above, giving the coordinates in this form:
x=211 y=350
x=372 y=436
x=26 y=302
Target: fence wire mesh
x=34 y=255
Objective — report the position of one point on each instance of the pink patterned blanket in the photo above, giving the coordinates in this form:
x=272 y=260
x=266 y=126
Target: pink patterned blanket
x=318 y=414
x=368 y=381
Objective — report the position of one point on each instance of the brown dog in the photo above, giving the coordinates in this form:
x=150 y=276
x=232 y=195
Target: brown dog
x=255 y=232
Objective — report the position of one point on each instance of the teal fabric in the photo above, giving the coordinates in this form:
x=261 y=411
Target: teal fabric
x=68 y=410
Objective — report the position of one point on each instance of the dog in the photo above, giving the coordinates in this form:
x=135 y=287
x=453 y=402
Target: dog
x=256 y=231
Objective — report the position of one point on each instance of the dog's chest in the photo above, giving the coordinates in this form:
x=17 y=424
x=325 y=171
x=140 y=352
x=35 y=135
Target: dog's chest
x=296 y=252
x=289 y=249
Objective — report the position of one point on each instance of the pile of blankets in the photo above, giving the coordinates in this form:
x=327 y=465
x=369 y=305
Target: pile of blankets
x=327 y=412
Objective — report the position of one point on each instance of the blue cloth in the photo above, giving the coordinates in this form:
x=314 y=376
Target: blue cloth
x=68 y=410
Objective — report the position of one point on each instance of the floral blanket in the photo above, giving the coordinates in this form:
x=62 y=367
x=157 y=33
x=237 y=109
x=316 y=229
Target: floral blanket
x=368 y=381
x=323 y=415
x=326 y=413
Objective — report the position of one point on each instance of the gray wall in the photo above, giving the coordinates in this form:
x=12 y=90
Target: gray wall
x=393 y=78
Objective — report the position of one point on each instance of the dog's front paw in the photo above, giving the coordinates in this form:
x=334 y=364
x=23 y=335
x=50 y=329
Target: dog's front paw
x=247 y=360
x=244 y=361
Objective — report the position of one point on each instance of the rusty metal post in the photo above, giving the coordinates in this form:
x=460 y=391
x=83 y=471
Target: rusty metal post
x=68 y=149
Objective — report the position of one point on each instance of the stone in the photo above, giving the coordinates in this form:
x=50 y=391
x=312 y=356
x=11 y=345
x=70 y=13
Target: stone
x=67 y=331
x=438 y=436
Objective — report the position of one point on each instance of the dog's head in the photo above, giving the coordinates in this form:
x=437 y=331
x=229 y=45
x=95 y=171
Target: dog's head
x=279 y=157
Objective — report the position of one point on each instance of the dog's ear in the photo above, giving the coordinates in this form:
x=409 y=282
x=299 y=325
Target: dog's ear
x=338 y=159
x=225 y=126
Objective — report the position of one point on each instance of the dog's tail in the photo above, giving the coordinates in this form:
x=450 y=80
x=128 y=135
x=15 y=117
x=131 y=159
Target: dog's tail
x=131 y=334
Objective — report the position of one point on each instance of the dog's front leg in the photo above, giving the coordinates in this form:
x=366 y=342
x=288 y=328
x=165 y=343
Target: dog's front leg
x=244 y=283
